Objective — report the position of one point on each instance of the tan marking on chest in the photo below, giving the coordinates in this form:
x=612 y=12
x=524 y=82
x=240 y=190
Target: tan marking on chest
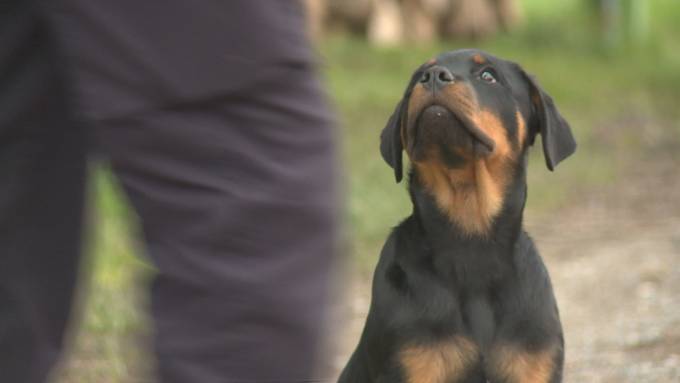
x=444 y=362
x=515 y=365
x=471 y=196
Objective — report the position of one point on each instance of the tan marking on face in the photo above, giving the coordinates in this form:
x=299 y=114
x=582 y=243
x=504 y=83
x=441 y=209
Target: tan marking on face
x=478 y=59
x=471 y=195
x=460 y=98
x=489 y=123
x=457 y=97
x=431 y=61
x=521 y=130
x=515 y=365
x=419 y=99
x=444 y=362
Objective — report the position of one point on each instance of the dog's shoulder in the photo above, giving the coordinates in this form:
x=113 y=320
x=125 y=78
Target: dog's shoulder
x=406 y=284
x=528 y=264
x=402 y=246
x=404 y=243
x=531 y=289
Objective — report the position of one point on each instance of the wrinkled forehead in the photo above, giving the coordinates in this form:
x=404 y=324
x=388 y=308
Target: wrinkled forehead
x=464 y=60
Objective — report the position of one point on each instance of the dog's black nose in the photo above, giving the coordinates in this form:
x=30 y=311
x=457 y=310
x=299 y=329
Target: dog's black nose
x=436 y=77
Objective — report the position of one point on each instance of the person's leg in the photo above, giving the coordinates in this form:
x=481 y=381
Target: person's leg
x=237 y=200
x=42 y=172
x=212 y=119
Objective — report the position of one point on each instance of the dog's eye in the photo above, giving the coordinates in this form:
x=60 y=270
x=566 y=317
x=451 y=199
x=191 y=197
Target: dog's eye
x=488 y=76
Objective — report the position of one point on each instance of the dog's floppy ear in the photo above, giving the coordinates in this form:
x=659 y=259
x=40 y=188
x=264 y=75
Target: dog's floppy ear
x=390 y=141
x=390 y=138
x=558 y=141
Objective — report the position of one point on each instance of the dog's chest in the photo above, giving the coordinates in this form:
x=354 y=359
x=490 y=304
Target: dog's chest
x=474 y=314
x=479 y=318
x=458 y=353
x=471 y=347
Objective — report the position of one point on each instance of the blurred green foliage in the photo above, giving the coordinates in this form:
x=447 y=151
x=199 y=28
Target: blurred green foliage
x=612 y=97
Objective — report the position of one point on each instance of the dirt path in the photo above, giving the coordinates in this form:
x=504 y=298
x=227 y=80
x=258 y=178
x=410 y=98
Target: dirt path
x=614 y=258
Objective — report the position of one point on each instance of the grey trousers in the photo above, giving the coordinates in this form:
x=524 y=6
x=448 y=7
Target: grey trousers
x=212 y=118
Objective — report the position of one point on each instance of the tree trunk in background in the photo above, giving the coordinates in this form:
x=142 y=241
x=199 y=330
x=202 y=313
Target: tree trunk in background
x=472 y=19
x=610 y=13
x=389 y=22
x=623 y=21
x=507 y=13
x=316 y=12
x=350 y=15
x=385 y=25
x=423 y=18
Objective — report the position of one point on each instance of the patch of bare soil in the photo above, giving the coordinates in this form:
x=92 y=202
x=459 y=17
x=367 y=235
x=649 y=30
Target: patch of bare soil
x=614 y=258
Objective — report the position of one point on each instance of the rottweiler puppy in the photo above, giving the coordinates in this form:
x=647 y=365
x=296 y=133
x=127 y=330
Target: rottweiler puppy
x=460 y=294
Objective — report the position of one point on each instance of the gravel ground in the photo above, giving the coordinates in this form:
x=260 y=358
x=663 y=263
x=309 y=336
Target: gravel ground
x=614 y=258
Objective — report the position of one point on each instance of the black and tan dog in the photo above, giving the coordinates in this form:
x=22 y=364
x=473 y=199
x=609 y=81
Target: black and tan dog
x=460 y=294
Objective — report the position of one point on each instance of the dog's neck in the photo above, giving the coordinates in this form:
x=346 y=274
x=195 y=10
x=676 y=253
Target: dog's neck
x=506 y=221
x=474 y=263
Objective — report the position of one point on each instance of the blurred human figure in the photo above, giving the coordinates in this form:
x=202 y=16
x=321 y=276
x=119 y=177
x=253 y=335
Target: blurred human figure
x=213 y=120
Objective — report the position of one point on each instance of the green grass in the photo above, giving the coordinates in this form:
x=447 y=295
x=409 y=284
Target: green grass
x=607 y=95
x=109 y=344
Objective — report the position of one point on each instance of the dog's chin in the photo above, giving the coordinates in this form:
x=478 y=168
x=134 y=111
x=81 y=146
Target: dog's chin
x=438 y=126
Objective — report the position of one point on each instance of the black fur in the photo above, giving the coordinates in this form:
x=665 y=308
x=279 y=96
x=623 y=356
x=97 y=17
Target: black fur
x=434 y=281
x=390 y=139
x=558 y=143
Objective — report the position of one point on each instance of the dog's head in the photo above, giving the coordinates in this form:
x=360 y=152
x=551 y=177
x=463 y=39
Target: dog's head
x=465 y=120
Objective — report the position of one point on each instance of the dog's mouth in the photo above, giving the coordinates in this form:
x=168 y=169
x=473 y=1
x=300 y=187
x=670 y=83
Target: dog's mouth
x=439 y=125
